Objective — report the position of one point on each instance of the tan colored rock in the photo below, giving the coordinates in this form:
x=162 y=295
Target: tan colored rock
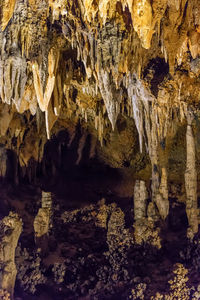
x=3 y=162
x=140 y=200
x=191 y=179
x=194 y=43
x=7 y=9
x=145 y=230
x=42 y=220
x=143 y=21
x=161 y=198
x=7 y=115
x=4 y=295
x=152 y=213
x=11 y=228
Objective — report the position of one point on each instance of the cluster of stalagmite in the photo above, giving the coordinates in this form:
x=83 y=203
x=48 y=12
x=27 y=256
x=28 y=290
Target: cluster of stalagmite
x=10 y=230
x=145 y=216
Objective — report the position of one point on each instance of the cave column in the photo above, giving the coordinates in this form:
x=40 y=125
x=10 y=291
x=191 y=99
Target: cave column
x=159 y=186
x=191 y=179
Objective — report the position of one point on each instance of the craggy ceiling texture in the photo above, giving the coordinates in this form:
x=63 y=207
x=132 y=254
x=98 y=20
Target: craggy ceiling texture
x=126 y=72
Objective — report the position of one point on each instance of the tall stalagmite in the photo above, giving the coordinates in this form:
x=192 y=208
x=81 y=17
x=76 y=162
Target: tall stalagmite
x=10 y=230
x=191 y=179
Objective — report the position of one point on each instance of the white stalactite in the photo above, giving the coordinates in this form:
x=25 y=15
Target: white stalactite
x=110 y=96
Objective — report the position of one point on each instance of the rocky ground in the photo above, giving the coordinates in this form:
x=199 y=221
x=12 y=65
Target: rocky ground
x=90 y=251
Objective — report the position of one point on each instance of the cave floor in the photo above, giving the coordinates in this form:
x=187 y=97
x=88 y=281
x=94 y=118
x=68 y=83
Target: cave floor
x=90 y=252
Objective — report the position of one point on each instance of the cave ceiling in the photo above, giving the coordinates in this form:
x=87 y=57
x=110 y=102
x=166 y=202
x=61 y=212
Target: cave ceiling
x=126 y=72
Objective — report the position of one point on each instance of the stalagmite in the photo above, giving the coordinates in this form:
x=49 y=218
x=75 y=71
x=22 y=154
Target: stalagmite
x=140 y=200
x=161 y=198
x=145 y=230
x=191 y=179
x=43 y=217
x=10 y=230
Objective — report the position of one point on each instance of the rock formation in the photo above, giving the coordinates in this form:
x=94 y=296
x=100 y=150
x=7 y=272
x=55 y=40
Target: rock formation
x=110 y=83
x=140 y=200
x=191 y=179
x=43 y=217
x=11 y=228
x=145 y=216
x=59 y=60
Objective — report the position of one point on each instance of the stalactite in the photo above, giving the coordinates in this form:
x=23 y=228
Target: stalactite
x=43 y=99
x=194 y=40
x=191 y=179
x=140 y=98
x=7 y=9
x=71 y=138
x=81 y=146
x=93 y=147
x=50 y=119
x=38 y=86
x=110 y=96
x=143 y=22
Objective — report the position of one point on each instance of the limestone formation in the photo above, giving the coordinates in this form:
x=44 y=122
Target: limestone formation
x=140 y=200
x=161 y=198
x=191 y=179
x=43 y=217
x=114 y=83
x=3 y=160
x=145 y=217
x=11 y=228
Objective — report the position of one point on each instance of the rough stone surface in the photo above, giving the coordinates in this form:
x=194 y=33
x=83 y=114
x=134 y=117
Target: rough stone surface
x=11 y=228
